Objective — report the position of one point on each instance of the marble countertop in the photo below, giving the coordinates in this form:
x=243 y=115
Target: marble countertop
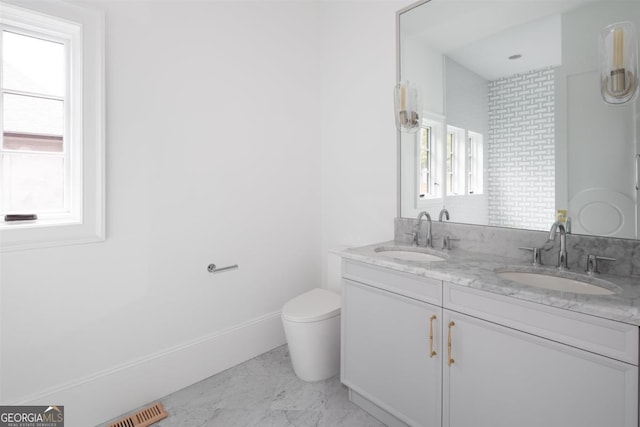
x=478 y=271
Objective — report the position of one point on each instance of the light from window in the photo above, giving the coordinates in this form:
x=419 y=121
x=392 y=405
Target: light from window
x=34 y=152
x=464 y=162
x=450 y=162
x=455 y=161
x=475 y=161
x=426 y=161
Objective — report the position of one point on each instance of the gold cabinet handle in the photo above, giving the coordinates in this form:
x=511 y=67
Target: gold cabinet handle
x=451 y=361
x=431 y=350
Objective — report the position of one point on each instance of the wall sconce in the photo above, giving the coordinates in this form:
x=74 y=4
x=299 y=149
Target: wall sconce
x=407 y=105
x=618 y=49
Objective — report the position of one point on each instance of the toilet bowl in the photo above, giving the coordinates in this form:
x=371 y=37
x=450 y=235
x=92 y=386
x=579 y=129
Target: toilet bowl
x=312 y=327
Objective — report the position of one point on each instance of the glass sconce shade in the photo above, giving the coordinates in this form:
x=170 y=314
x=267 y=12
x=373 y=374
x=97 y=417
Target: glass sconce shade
x=407 y=107
x=618 y=51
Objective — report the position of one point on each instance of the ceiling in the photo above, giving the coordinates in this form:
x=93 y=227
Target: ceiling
x=482 y=35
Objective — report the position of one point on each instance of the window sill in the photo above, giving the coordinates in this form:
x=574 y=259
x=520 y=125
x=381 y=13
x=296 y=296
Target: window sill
x=45 y=234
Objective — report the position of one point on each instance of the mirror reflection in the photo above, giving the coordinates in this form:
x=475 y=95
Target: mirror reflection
x=515 y=130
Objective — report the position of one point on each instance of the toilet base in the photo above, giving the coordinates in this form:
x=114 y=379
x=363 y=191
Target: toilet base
x=314 y=348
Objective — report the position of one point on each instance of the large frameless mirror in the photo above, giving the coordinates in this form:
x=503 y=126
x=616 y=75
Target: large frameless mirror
x=514 y=129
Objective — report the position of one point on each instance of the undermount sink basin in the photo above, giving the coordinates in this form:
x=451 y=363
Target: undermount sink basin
x=567 y=282
x=410 y=253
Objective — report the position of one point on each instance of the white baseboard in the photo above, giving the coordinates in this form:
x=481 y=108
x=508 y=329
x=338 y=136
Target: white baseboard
x=107 y=394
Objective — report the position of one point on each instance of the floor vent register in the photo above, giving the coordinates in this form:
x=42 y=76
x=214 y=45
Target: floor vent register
x=143 y=418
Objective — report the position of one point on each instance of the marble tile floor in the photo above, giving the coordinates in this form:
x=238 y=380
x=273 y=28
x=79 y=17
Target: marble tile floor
x=265 y=392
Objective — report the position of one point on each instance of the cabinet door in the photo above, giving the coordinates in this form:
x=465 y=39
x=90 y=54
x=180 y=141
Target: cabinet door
x=386 y=352
x=502 y=377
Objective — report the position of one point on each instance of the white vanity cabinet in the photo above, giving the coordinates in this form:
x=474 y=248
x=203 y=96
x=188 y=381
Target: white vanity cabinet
x=391 y=347
x=500 y=362
x=504 y=378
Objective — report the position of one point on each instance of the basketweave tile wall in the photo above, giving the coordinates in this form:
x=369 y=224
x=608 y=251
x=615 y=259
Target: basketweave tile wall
x=521 y=150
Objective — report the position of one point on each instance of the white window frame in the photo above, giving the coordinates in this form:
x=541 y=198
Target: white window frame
x=475 y=163
x=456 y=175
x=436 y=123
x=431 y=137
x=67 y=34
x=85 y=221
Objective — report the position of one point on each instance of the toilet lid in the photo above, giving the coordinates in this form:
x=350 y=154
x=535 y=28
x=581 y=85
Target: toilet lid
x=317 y=304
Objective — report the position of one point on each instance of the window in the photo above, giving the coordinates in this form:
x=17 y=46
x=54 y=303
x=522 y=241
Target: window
x=475 y=159
x=51 y=125
x=427 y=158
x=34 y=152
x=455 y=164
x=464 y=162
x=426 y=161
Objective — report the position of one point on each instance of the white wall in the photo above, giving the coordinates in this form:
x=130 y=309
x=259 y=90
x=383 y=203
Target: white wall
x=423 y=65
x=257 y=133
x=358 y=130
x=209 y=159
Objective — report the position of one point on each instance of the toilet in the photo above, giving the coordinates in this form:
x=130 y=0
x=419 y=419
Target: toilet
x=312 y=327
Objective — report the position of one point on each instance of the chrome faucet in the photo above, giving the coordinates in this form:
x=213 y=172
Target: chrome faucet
x=416 y=229
x=592 y=263
x=444 y=212
x=562 y=255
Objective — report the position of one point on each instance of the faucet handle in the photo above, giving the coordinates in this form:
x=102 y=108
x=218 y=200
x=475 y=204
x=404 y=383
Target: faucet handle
x=443 y=212
x=414 y=237
x=536 y=253
x=592 y=263
x=446 y=242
